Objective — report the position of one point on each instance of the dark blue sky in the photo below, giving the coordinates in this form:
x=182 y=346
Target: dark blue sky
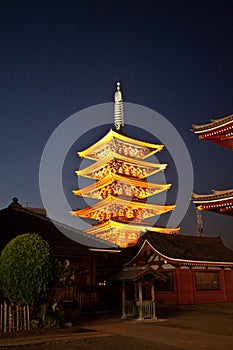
x=58 y=57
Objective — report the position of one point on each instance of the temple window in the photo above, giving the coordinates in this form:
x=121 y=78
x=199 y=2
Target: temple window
x=207 y=280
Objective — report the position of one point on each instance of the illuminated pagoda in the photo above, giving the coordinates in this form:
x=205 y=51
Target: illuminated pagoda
x=218 y=131
x=121 y=189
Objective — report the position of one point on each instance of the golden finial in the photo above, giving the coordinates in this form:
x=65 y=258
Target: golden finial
x=118 y=108
x=118 y=95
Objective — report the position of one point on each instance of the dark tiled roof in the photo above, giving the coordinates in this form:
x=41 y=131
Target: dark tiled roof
x=220 y=194
x=134 y=274
x=15 y=221
x=215 y=123
x=39 y=215
x=193 y=248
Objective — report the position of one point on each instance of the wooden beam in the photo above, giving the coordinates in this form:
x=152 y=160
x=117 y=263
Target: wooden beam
x=123 y=301
x=153 y=301
x=140 y=299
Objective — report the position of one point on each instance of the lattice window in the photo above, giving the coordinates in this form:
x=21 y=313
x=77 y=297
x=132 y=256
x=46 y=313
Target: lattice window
x=206 y=280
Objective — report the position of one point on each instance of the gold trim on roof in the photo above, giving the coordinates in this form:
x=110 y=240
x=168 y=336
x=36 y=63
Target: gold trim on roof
x=142 y=227
x=121 y=209
x=125 y=234
x=89 y=152
x=137 y=168
x=120 y=185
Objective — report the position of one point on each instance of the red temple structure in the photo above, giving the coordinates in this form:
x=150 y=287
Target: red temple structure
x=120 y=171
x=172 y=269
x=218 y=131
x=219 y=202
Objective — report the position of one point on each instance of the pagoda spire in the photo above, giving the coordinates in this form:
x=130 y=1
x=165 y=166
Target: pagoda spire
x=118 y=109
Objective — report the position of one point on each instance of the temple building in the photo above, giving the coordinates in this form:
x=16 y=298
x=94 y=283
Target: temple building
x=218 y=201
x=173 y=269
x=220 y=132
x=120 y=171
x=17 y=220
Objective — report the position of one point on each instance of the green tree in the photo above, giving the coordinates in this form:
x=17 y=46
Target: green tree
x=25 y=268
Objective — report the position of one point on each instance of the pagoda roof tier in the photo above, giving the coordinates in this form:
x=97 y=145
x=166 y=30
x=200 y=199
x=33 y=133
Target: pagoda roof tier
x=120 y=186
x=219 y=201
x=219 y=131
x=124 y=234
x=115 y=164
x=122 y=238
x=142 y=227
x=122 y=145
x=121 y=209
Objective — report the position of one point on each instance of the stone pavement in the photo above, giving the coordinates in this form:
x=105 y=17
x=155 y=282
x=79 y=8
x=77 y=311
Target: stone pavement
x=40 y=339
x=155 y=332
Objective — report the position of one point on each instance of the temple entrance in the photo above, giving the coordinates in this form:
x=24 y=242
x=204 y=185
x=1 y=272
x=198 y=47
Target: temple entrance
x=141 y=305
x=138 y=292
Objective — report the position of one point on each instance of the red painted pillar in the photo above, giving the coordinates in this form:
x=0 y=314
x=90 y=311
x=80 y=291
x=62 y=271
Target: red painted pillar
x=193 y=285
x=178 y=285
x=223 y=286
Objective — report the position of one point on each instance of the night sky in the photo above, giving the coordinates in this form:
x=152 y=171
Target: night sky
x=59 y=57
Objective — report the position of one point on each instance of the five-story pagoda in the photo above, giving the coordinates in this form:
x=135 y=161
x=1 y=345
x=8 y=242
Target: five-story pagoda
x=121 y=187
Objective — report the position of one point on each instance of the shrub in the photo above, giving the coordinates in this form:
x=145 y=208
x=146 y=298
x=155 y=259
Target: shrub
x=25 y=268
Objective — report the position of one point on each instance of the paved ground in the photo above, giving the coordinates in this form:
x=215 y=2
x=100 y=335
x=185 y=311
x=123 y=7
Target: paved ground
x=158 y=334
x=191 y=327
